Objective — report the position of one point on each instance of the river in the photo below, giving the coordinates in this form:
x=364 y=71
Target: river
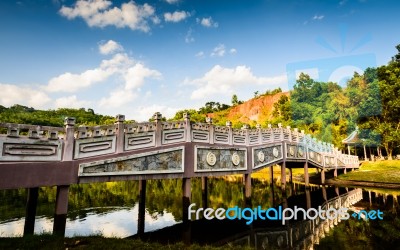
x=111 y=210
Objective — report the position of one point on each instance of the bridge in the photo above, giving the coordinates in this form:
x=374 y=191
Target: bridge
x=35 y=156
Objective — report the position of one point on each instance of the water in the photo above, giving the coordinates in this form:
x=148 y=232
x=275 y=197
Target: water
x=111 y=210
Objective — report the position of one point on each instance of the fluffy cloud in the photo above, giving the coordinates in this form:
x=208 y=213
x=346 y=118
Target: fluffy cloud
x=207 y=22
x=70 y=102
x=177 y=16
x=98 y=13
x=189 y=37
x=171 y=1
x=121 y=65
x=146 y=112
x=220 y=80
x=200 y=54
x=118 y=98
x=233 y=51
x=219 y=50
x=316 y=17
x=110 y=47
x=135 y=76
x=12 y=94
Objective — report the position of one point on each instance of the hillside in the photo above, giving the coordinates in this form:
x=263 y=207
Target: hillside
x=253 y=111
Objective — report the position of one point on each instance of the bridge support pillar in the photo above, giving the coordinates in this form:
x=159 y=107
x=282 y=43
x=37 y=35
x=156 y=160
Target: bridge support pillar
x=30 y=214
x=247 y=189
x=335 y=172
x=323 y=176
x=142 y=207
x=308 y=198
x=204 y=191
x=345 y=170
x=290 y=175
x=186 y=196
x=283 y=176
x=60 y=215
x=337 y=191
x=271 y=175
x=306 y=178
x=324 y=194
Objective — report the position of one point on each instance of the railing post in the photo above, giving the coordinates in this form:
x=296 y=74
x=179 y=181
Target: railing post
x=211 y=129
x=258 y=127
x=188 y=127
x=281 y=131
x=230 y=133
x=60 y=216
x=68 y=153
x=245 y=128
x=157 y=118
x=119 y=122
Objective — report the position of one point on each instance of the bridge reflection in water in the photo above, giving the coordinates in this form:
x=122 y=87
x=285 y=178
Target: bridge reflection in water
x=266 y=234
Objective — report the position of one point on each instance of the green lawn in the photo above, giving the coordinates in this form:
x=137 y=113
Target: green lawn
x=380 y=171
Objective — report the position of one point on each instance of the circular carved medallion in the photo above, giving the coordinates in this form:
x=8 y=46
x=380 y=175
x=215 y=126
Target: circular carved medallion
x=332 y=161
x=275 y=152
x=300 y=151
x=235 y=159
x=291 y=151
x=261 y=156
x=311 y=155
x=318 y=158
x=211 y=159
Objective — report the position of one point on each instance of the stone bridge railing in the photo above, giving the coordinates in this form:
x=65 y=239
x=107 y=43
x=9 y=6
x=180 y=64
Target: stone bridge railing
x=43 y=143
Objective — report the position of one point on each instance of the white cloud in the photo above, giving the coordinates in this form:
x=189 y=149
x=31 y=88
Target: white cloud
x=133 y=73
x=70 y=102
x=207 y=22
x=12 y=94
x=171 y=1
x=177 y=16
x=316 y=17
x=110 y=47
x=233 y=51
x=135 y=76
x=146 y=112
x=218 y=51
x=118 y=98
x=98 y=13
x=200 y=54
x=189 y=37
x=224 y=81
x=69 y=82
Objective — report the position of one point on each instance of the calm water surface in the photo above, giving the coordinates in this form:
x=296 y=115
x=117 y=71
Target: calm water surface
x=111 y=210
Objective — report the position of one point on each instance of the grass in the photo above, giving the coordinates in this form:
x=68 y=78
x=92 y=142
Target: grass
x=380 y=171
x=46 y=241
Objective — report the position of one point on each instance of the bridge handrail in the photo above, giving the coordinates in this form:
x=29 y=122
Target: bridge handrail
x=183 y=131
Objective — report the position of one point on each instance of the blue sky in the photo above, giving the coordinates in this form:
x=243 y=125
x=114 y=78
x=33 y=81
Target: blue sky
x=139 y=57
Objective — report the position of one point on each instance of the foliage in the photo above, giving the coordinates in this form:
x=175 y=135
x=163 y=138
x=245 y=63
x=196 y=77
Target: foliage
x=25 y=115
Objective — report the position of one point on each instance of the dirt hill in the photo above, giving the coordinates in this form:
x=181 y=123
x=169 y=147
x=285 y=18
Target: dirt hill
x=256 y=109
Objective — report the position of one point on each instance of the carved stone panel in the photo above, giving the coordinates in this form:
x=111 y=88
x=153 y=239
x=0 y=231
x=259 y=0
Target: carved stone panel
x=315 y=157
x=94 y=146
x=173 y=136
x=220 y=159
x=265 y=155
x=162 y=161
x=295 y=151
x=27 y=149
x=140 y=140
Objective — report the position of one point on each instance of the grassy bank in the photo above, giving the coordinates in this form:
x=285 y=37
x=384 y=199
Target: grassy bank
x=94 y=242
x=380 y=171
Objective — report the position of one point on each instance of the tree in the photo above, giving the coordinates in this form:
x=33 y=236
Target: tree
x=235 y=100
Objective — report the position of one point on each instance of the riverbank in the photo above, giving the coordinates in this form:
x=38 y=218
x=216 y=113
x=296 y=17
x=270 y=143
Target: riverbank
x=380 y=174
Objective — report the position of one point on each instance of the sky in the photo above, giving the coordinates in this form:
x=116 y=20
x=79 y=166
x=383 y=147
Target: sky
x=140 y=57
